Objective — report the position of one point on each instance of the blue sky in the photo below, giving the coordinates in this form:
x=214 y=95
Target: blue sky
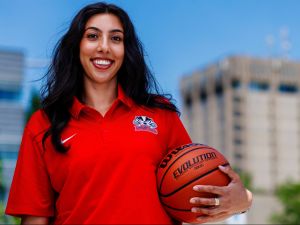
x=179 y=36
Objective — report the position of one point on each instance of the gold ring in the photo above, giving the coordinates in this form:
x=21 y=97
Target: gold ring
x=217 y=202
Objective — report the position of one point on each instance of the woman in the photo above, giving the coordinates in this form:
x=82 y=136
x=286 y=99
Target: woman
x=90 y=154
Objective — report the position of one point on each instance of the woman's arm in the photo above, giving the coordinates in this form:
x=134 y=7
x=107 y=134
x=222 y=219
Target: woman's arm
x=34 y=220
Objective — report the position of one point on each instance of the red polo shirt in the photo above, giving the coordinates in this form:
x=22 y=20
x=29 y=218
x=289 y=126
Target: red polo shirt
x=108 y=174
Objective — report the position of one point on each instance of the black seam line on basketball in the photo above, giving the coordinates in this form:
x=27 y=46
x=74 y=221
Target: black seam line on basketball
x=186 y=210
x=194 y=149
x=178 y=189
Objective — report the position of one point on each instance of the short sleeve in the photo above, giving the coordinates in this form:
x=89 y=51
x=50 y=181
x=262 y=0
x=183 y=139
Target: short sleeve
x=177 y=133
x=31 y=192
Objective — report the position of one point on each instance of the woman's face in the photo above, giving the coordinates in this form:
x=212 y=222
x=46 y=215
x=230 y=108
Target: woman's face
x=102 y=49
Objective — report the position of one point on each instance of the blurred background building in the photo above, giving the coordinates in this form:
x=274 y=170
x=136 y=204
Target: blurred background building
x=11 y=113
x=249 y=109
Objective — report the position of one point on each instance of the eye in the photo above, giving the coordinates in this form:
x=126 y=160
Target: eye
x=92 y=36
x=116 y=38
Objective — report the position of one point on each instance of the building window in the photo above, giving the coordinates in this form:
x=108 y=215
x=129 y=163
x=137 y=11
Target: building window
x=237 y=113
x=237 y=99
x=4 y=155
x=237 y=127
x=258 y=86
x=238 y=155
x=219 y=89
x=238 y=141
x=9 y=151
x=9 y=95
x=235 y=83
x=288 y=88
x=203 y=95
x=188 y=101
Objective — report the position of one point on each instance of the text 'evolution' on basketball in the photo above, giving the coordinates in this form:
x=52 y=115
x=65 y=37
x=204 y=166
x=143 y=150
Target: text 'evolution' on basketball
x=192 y=163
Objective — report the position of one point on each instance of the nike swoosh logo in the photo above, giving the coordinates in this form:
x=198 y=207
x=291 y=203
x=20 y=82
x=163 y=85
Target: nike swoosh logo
x=67 y=139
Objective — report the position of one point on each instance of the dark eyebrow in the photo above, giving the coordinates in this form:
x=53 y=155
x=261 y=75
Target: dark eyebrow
x=98 y=30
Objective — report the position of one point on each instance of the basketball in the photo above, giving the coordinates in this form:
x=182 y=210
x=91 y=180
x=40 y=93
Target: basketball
x=180 y=170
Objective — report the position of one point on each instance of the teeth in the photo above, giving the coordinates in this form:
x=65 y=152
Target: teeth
x=102 y=62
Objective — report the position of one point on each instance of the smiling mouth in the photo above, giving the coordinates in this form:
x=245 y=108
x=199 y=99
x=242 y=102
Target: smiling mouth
x=102 y=64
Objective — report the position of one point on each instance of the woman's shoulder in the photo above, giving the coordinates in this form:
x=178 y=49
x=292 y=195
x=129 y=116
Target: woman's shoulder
x=159 y=104
x=168 y=107
x=163 y=113
x=38 y=122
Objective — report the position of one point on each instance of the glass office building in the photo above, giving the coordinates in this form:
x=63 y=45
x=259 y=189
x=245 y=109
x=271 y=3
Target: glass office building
x=11 y=112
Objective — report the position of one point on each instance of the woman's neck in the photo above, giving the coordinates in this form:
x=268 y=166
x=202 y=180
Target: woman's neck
x=100 y=96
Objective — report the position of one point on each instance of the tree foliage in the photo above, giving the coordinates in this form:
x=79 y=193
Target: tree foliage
x=2 y=186
x=7 y=219
x=289 y=196
x=246 y=178
x=35 y=103
x=3 y=218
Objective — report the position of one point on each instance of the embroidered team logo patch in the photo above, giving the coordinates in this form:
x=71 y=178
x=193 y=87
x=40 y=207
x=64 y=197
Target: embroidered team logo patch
x=144 y=123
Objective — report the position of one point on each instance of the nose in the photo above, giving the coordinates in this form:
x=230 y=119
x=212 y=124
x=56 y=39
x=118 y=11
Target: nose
x=103 y=45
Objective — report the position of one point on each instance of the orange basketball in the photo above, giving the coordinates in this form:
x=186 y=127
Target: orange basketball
x=180 y=170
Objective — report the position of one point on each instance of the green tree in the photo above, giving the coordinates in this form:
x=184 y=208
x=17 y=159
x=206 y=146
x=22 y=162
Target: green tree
x=7 y=219
x=289 y=196
x=3 y=218
x=246 y=178
x=35 y=103
x=2 y=186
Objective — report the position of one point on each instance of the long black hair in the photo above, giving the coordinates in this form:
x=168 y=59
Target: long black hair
x=65 y=73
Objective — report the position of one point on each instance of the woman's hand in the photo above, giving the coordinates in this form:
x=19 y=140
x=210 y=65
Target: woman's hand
x=34 y=220
x=233 y=198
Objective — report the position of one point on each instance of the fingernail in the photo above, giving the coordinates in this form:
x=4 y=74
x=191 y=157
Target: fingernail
x=201 y=219
x=222 y=167
x=196 y=188
x=194 y=209
x=192 y=200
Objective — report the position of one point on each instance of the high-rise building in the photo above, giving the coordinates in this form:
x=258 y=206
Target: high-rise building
x=249 y=109
x=11 y=111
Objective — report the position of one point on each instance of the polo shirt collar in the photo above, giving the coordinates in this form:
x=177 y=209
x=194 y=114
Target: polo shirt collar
x=123 y=97
x=78 y=106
